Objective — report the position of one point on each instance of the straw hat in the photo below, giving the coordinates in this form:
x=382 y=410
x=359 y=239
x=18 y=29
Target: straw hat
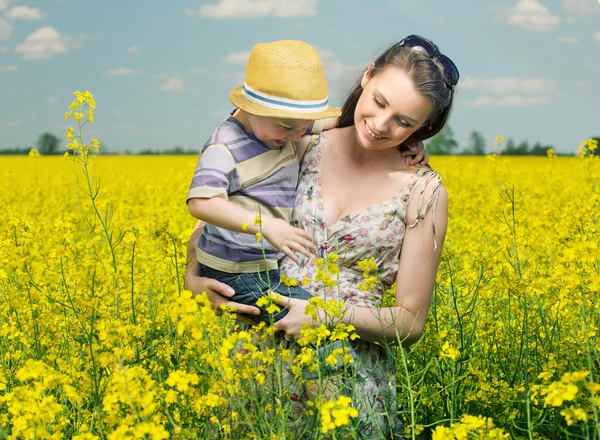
x=284 y=79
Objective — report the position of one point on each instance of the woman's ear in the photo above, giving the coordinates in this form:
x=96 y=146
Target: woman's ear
x=366 y=75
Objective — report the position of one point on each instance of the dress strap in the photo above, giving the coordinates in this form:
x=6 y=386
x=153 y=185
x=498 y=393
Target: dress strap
x=429 y=177
x=315 y=146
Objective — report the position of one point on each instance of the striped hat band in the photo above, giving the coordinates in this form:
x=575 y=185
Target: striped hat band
x=279 y=103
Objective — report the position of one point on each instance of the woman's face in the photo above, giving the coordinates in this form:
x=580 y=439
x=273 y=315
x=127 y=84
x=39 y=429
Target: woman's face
x=389 y=109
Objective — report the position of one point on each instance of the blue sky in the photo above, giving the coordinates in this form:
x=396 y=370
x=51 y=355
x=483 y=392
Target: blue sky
x=161 y=71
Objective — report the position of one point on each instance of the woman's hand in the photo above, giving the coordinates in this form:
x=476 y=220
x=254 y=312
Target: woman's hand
x=421 y=157
x=218 y=294
x=295 y=319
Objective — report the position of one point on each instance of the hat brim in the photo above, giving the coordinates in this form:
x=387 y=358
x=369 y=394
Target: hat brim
x=243 y=103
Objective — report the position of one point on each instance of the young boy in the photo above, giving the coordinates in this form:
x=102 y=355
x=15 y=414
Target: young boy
x=249 y=165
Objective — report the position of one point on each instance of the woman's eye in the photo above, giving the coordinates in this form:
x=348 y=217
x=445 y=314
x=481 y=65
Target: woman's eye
x=402 y=123
x=379 y=103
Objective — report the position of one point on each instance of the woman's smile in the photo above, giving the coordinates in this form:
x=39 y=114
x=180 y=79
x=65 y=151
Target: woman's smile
x=371 y=135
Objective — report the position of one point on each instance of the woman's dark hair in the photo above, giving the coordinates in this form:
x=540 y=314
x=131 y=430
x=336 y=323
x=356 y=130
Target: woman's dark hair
x=428 y=81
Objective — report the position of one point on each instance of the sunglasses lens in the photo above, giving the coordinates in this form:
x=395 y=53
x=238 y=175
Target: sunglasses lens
x=416 y=41
x=451 y=74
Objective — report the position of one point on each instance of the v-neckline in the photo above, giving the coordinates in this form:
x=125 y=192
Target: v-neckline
x=360 y=211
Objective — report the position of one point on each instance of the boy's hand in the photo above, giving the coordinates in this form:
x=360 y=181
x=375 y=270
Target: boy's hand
x=287 y=238
x=421 y=157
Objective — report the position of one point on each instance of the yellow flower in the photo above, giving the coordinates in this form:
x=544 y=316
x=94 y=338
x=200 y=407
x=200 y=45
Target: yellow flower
x=288 y=281
x=259 y=236
x=449 y=352
x=273 y=308
x=33 y=153
x=244 y=226
x=336 y=413
x=257 y=220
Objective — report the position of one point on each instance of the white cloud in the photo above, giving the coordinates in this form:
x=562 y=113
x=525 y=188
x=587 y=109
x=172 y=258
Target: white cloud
x=125 y=126
x=51 y=100
x=580 y=83
x=132 y=49
x=23 y=12
x=587 y=66
x=172 y=84
x=44 y=43
x=3 y=4
x=582 y=7
x=240 y=57
x=597 y=36
x=509 y=101
x=10 y=68
x=5 y=29
x=515 y=92
x=14 y=124
x=199 y=71
x=122 y=71
x=505 y=85
x=340 y=76
x=335 y=69
x=567 y=40
x=256 y=8
x=530 y=15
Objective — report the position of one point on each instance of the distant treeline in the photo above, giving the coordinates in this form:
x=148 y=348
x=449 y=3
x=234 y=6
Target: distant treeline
x=442 y=143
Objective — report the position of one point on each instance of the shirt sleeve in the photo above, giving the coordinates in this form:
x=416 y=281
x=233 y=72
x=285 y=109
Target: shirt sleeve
x=316 y=127
x=215 y=174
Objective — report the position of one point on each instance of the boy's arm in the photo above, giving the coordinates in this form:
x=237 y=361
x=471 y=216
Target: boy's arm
x=224 y=214
x=323 y=124
x=221 y=212
x=315 y=128
x=215 y=178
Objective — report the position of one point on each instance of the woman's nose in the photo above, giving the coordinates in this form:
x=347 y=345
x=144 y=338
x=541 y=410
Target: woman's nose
x=380 y=123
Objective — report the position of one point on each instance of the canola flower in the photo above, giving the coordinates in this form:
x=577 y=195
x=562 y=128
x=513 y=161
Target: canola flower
x=99 y=338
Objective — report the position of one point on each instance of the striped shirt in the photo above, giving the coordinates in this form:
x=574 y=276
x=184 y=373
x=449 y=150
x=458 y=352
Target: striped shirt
x=235 y=165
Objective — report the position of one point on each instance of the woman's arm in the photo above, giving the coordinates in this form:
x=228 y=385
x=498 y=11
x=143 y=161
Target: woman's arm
x=218 y=293
x=414 y=286
x=415 y=282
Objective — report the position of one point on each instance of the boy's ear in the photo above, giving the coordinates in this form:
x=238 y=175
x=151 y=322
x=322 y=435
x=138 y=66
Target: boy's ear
x=366 y=75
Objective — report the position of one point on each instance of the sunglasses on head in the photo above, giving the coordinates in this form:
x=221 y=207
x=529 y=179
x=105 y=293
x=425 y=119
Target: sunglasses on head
x=450 y=71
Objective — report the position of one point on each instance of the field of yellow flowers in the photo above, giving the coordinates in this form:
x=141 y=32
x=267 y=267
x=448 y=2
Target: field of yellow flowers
x=100 y=340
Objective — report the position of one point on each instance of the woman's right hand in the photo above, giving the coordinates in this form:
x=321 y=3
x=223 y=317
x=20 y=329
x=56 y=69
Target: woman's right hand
x=218 y=294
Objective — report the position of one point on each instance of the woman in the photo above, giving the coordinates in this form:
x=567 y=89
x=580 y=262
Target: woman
x=359 y=198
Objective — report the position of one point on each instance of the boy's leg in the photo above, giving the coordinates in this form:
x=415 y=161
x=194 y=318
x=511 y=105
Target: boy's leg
x=321 y=381
x=247 y=290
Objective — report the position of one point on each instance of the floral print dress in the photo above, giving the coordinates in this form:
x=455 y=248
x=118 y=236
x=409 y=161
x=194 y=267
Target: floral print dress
x=374 y=232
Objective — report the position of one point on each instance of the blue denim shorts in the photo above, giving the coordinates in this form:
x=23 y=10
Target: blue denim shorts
x=249 y=287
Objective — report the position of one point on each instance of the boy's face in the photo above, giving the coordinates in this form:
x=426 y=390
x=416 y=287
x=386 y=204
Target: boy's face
x=275 y=133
